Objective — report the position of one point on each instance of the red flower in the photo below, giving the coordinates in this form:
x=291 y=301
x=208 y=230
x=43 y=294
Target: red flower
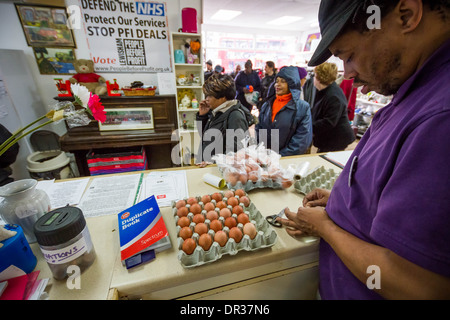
x=97 y=108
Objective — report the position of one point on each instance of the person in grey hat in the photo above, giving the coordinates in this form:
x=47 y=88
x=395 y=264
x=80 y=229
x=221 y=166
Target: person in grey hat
x=209 y=70
x=384 y=226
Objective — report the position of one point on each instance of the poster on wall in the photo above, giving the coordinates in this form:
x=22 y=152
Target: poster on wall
x=127 y=36
x=311 y=38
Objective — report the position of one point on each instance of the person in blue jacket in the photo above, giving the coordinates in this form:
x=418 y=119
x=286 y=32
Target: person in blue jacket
x=286 y=116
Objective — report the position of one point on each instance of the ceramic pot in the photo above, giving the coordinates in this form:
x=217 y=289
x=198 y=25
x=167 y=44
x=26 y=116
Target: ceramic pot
x=23 y=205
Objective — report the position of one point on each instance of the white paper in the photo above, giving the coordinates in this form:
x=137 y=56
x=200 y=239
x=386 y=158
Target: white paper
x=166 y=186
x=64 y=193
x=340 y=157
x=110 y=195
x=166 y=83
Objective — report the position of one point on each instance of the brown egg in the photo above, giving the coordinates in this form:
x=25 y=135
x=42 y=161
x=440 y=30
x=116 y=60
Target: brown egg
x=195 y=208
x=237 y=210
x=217 y=196
x=221 y=205
x=201 y=228
x=230 y=222
x=286 y=183
x=243 y=218
x=206 y=198
x=215 y=225
x=264 y=176
x=205 y=241
x=180 y=203
x=228 y=194
x=184 y=222
x=253 y=176
x=209 y=206
x=233 y=201
x=221 y=238
x=250 y=229
x=198 y=218
x=192 y=200
x=212 y=215
x=232 y=178
x=240 y=192
x=182 y=212
x=245 y=201
x=188 y=246
x=225 y=212
x=236 y=234
x=243 y=178
x=185 y=233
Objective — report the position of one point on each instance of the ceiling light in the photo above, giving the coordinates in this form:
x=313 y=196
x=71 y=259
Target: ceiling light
x=225 y=15
x=284 y=20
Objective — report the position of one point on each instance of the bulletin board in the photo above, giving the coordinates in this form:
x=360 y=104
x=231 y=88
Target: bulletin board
x=125 y=36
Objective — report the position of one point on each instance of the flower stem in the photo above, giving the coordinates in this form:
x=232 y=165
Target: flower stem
x=19 y=131
x=5 y=148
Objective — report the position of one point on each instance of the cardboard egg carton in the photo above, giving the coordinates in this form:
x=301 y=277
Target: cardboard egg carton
x=319 y=178
x=265 y=237
x=250 y=185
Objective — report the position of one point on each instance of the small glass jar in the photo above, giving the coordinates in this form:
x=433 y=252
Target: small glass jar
x=64 y=240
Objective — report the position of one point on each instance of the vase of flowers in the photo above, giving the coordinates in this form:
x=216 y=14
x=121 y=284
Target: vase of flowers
x=23 y=204
x=90 y=105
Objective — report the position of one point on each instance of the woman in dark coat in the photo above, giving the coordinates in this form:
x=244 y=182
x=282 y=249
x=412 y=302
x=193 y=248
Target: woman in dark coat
x=287 y=116
x=222 y=121
x=331 y=127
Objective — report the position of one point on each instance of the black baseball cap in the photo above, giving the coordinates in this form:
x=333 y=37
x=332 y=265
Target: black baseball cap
x=333 y=15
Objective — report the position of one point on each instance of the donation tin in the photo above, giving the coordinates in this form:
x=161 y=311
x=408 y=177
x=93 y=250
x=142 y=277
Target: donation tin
x=64 y=239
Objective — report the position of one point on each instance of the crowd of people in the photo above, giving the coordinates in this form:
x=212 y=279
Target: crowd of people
x=286 y=122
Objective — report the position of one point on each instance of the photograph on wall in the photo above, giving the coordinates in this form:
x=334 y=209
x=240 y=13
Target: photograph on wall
x=55 y=60
x=127 y=119
x=126 y=36
x=45 y=26
x=311 y=37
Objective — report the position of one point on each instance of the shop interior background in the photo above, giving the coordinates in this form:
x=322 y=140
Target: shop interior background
x=247 y=36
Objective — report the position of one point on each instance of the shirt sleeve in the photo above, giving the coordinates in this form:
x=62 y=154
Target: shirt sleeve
x=413 y=216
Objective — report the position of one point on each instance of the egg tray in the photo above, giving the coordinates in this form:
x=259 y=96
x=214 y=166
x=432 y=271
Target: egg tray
x=319 y=178
x=250 y=185
x=265 y=237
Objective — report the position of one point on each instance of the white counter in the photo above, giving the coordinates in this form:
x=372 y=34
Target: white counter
x=244 y=275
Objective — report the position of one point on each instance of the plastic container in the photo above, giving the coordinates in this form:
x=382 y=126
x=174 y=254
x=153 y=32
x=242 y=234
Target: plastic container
x=189 y=20
x=16 y=251
x=48 y=162
x=64 y=240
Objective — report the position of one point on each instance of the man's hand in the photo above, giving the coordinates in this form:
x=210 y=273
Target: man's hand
x=317 y=197
x=306 y=221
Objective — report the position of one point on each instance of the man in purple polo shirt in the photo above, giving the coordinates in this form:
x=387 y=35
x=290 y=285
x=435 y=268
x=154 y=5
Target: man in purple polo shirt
x=384 y=228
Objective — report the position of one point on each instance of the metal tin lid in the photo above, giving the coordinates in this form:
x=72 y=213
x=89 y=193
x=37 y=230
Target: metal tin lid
x=45 y=140
x=59 y=226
